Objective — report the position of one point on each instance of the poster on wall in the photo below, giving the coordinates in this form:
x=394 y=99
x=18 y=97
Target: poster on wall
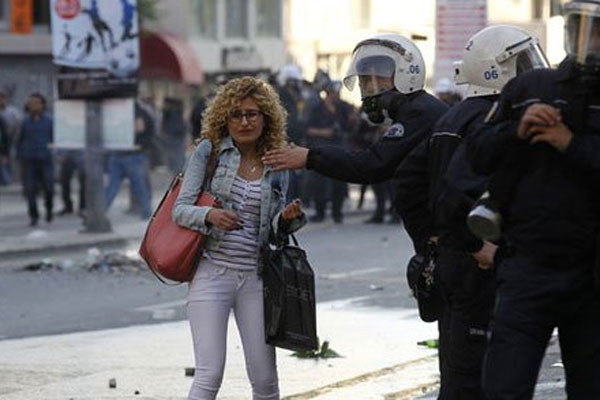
x=117 y=124
x=95 y=43
x=456 y=21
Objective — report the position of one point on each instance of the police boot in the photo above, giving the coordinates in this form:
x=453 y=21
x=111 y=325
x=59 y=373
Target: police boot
x=485 y=220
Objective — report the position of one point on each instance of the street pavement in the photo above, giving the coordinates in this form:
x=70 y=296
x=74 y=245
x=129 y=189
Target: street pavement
x=67 y=333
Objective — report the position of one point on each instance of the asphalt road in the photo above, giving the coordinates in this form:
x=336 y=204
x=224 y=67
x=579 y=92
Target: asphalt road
x=350 y=260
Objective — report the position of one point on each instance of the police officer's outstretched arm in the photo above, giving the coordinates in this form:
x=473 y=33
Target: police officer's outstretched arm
x=390 y=72
x=374 y=164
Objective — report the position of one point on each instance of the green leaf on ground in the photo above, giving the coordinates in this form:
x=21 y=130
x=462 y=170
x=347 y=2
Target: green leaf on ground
x=430 y=343
x=324 y=352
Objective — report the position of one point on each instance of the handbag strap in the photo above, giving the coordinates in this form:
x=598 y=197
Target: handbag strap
x=211 y=166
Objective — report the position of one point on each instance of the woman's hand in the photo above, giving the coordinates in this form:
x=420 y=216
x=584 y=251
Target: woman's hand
x=292 y=211
x=226 y=220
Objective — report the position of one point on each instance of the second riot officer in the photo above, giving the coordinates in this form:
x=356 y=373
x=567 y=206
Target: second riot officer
x=491 y=58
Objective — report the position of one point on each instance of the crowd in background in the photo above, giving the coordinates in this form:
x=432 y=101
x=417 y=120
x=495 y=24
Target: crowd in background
x=164 y=136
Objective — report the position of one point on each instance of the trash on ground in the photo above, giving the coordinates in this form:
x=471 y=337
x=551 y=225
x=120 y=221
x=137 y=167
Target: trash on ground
x=375 y=287
x=37 y=234
x=112 y=383
x=190 y=371
x=95 y=260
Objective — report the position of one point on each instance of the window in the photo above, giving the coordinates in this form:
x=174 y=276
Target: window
x=204 y=17
x=555 y=8
x=362 y=13
x=268 y=18
x=41 y=12
x=538 y=9
x=236 y=18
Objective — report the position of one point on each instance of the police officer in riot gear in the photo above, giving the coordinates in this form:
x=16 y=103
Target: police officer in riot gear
x=439 y=166
x=390 y=72
x=545 y=272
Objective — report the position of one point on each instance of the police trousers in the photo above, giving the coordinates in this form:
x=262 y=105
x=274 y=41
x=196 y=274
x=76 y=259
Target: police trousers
x=469 y=294
x=532 y=299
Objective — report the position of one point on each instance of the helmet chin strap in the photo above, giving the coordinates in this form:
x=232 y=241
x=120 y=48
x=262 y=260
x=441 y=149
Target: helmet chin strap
x=383 y=106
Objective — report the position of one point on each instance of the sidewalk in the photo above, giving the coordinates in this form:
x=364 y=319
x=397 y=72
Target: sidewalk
x=17 y=240
x=381 y=360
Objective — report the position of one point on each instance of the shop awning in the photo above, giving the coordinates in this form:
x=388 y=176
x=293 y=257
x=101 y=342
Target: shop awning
x=168 y=57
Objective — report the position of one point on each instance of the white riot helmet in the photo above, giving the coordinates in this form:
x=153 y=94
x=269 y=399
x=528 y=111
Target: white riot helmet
x=495 y=55
x=387 y=56
x=582 y=33
x=289 y=72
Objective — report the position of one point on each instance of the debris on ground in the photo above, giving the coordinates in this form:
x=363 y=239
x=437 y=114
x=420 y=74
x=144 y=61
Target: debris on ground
x=375 y=287
x=323 y=352
x=190 y=371
x=95 y=260
x=112 y=383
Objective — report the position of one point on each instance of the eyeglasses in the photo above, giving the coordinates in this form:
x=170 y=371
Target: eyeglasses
x=252 y=116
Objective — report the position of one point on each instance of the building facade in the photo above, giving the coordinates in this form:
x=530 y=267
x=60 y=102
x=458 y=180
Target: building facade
x=25 y=59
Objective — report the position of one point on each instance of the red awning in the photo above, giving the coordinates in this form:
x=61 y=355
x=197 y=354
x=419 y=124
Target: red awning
x=168 y=57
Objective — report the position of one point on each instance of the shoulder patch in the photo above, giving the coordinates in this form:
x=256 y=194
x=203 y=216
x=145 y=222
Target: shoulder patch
x=395 y=131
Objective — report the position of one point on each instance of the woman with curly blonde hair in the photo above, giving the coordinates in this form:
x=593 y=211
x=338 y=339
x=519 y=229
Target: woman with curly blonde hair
x=242 y=123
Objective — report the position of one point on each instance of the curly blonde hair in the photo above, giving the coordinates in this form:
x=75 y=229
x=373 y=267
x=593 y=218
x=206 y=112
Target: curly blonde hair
x=230 y=96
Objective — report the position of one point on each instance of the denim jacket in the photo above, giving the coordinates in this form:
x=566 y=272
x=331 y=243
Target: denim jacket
x=273 y=189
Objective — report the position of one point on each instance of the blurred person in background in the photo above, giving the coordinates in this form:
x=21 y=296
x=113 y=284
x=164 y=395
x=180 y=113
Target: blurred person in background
x=445 y=90
x=174 y=133
x=133 y=165
x=328 y=120
x=35 y=156
x=196 y=118
x=288 y=86
x=4 y=154
x=71 y=162
x=12 y=118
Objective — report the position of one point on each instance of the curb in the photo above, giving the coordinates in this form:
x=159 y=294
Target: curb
x=405 y=394
x=113 y=240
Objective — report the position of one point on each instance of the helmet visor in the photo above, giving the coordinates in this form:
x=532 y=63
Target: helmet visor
x=531 y=58
x=583 y=33
x=371 y=60
x=528 y=53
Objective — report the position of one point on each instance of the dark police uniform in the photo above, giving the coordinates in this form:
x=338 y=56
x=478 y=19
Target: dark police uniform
x=545 y=278
x=435 y=184
x=414 y=120
x=467 y=290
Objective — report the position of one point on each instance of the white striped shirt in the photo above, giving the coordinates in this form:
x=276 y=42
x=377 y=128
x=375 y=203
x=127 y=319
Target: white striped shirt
x=239 y=248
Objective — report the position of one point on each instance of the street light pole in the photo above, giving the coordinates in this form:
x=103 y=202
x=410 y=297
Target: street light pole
x=95 y=220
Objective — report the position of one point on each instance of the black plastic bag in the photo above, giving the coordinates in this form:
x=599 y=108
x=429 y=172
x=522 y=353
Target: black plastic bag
x=289 y=298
